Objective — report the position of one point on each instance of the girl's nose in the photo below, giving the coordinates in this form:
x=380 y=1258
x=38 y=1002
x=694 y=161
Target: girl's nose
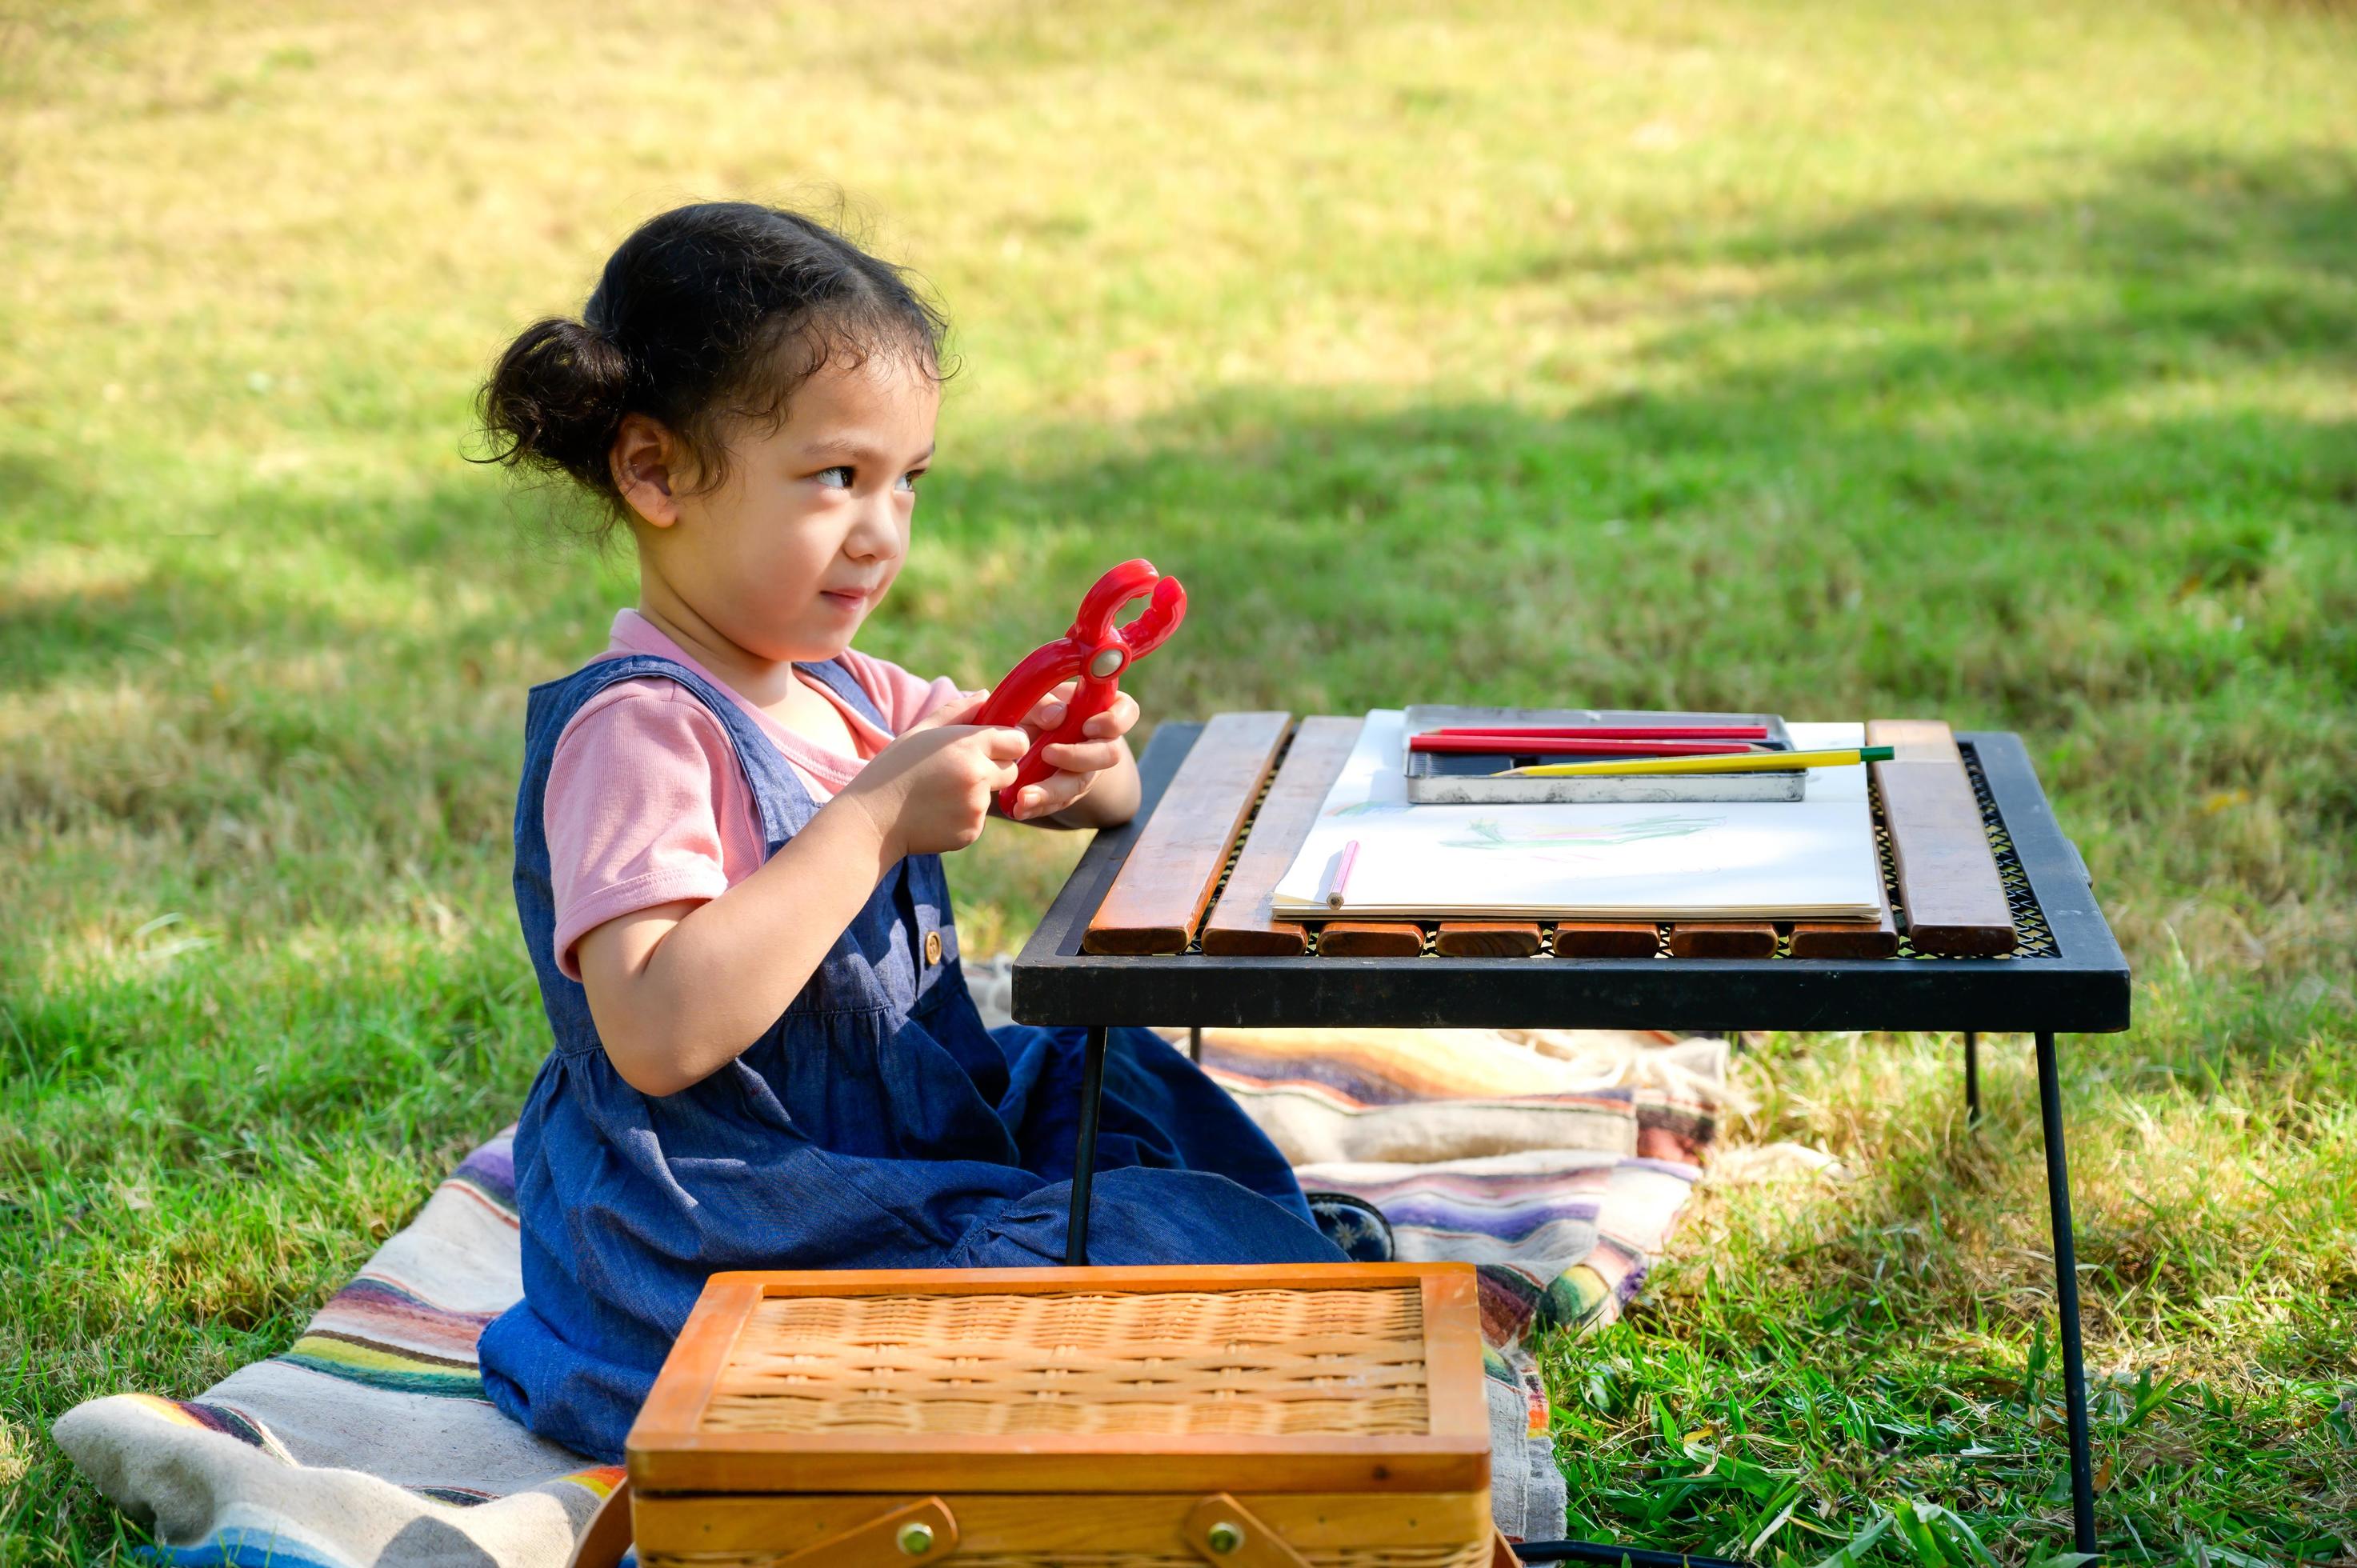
x=876 y=535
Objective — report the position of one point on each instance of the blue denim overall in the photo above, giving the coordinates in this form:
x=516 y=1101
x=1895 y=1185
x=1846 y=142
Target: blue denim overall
x=877 y=1124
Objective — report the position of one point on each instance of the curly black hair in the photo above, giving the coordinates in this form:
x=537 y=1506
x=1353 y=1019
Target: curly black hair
x=707 y=316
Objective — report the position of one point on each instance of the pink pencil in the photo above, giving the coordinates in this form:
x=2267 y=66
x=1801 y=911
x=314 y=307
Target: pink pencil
x=1343 y=863
x=1566 y=745
x=1616 y=731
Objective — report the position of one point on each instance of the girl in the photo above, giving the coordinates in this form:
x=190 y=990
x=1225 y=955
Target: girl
x=727 y=845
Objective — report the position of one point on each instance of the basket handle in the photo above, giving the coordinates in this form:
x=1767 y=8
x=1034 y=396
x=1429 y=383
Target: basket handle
x=1223 y=1531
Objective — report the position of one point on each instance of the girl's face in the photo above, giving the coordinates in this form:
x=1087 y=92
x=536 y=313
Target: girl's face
x=786 y=557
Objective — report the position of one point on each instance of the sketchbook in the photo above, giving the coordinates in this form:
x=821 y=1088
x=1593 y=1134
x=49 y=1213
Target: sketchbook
x=1810 y=859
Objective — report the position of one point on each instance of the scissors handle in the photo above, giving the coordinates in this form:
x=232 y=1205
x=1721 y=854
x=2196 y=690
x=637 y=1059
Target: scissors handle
x=1094 y=651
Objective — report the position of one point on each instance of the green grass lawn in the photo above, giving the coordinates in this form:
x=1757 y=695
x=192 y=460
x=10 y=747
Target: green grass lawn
x=1998 y=362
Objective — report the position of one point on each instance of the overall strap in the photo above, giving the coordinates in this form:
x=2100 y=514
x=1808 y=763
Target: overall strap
x=778 y=794
x=836 y=677
x=921 y=883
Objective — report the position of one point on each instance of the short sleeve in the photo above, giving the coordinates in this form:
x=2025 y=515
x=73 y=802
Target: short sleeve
x=646 y=805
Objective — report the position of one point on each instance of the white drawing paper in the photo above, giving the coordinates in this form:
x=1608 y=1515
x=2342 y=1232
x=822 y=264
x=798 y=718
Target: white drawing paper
x=1808 y=859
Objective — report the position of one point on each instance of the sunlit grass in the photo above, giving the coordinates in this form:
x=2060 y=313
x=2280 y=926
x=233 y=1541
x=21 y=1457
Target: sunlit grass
x=1848 y=360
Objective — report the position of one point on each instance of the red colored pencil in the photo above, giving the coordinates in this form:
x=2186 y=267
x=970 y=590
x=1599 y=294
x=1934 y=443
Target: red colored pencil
x=1564 y=745
x=1615 y=732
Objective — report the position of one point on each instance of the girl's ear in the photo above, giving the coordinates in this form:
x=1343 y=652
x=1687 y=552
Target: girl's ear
x=645 y=459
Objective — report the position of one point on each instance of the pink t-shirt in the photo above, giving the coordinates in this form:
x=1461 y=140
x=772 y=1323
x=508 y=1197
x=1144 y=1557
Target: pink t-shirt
x=646 y=805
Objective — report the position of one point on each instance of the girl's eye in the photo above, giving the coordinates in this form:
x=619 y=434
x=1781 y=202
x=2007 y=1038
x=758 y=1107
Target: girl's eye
x=835 y=478
x=909 y=480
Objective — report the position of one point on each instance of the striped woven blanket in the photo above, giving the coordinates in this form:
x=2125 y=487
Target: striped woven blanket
x=1557 y=1163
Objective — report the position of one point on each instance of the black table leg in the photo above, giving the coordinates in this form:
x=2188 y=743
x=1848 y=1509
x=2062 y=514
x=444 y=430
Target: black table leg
x=2066 y=1293
x=1972 y=1078
x=1084 y=1158
x=1195 y=1043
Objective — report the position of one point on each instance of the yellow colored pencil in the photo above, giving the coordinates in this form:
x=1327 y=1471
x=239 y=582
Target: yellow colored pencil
x=1751 y=762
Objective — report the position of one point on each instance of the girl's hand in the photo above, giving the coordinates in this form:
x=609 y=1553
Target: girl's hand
x=1078 y=764
x=929 y=791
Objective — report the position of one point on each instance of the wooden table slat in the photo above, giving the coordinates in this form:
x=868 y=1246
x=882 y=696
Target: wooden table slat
x=1153 y=904
x=1723 y=939
x=1847 y=939
x=1486 y=938
x=1948 y=885
x=1240 y=923
x=1607 y=939
x=1370 y=938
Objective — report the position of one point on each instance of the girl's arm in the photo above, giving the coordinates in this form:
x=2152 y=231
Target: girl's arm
x=679 y=990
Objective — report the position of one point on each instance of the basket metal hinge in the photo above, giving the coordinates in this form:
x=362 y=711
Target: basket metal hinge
x=922 y=1532
x=1222 y=1530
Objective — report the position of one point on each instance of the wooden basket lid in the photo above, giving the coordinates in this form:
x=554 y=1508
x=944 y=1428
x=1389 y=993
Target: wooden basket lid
x=1292 y=1378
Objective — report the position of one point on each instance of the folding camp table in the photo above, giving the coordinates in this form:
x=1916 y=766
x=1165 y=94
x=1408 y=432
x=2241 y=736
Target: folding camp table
x=1186 y=938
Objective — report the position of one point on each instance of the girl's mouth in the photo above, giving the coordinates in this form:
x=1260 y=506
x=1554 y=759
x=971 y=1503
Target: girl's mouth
x=848 y=599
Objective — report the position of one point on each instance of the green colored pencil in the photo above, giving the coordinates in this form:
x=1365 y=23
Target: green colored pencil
x=1753 y=762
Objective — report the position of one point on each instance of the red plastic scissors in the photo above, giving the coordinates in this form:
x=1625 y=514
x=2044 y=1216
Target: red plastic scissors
x=1095 y=652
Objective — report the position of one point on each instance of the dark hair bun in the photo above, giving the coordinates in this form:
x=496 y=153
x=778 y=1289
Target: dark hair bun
x=556 y=399
x=705 y=315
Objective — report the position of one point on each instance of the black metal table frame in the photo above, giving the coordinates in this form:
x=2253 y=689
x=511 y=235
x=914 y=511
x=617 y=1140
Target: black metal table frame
x=2082 y=988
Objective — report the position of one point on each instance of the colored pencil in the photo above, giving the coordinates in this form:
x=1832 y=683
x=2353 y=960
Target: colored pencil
x=1758 y=762
x=1564 y=745
x=1343 y=863
x=1615 y=732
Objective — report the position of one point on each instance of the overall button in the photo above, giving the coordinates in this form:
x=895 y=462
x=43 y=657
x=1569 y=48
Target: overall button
x=932 y=948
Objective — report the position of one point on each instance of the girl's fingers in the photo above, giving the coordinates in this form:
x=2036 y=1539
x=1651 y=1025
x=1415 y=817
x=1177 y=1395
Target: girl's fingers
x=1051 y=709
x=956 y=711
x=1004 y=744
x=1049 y=796
x=1111 y=725
x=1082 y=756
x=1115 y=721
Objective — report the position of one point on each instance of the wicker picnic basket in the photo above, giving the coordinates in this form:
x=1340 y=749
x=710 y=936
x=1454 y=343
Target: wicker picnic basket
x=1327 y=1415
